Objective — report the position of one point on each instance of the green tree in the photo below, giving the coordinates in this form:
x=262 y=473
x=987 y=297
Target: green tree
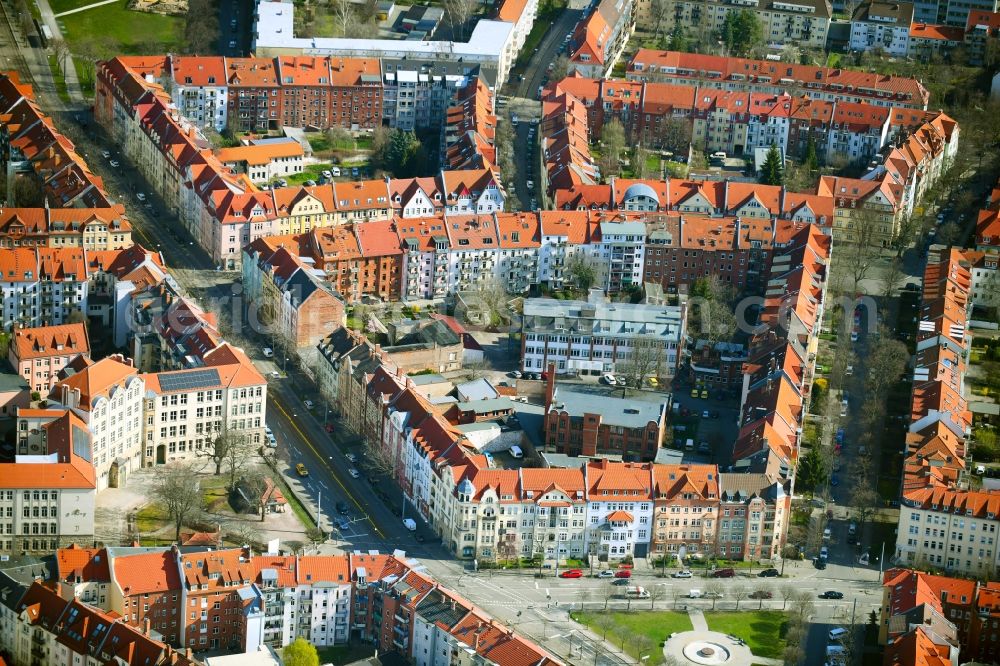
x=742 y=32
x=613 y=146
x=679 y=40
x=811 y=160
x=773 y=171
x=300 y=653
x=812 y=470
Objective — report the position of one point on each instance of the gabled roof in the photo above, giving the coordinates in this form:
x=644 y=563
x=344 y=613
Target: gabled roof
x=46 y=341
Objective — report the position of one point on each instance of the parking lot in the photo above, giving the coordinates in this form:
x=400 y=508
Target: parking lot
x=711 y=436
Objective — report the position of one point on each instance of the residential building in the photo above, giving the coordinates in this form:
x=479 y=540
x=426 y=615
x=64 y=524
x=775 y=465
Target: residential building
x=82 y=573
x=215 y=586
x=43 y=286
x=200 y=88
x=264 y=162
x=146 y=588
x=290 y=295
x=619 y=249
x=48 y=499
x=519 y=236
x=89 y=228
x=108 y=397
x=490 y=45
x=580 y=424
x=804 y=23
x=619 y=508
x=596 y=336
x=754 y=511
x=40 y=354
x=686 y=510
x=882 y=26
x=765 y=76
x=600 y=39
x=186 y=410
x=981 y=32
x=50 y=629
x=929 y=40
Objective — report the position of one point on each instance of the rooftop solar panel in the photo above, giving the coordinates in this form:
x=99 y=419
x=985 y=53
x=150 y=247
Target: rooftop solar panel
x=190 y=380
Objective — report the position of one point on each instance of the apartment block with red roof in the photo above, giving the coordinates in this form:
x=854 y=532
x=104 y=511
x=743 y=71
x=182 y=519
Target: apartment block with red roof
x=985 y=288
x=825 y=83
x=82 y=573
x=37 y=146
x=108 y=397
x=600 y=39
x=199 y=86
x=52 y=630
x=686 y=510
x=39 y=354
x=216 y=587
x=470 y=125
x=48 y=498
x=146 y=588
x=43 y=286
x=90 y=228
x=185 y=410
x=264 y=161
x=928 y=40
x=981 y=29
x=988 y=231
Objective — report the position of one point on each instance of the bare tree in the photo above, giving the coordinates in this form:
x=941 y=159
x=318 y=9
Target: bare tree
x=608 y=592
x=863 y=250
x=786 y=592
x=60 y=49
x=762 y=591
x=238 y=454
x=739 y=592
x=647 y=358
x=260 y=490
x=378 y=458
x=714 y=590
x=892 y=277
x=584 y=594
x=802 y=604
x=655 y=594
x=605 y=623
x=715 y=299
x=490 y=300
x=247 y=534
x=459 y=12
x=227 y=445
x=613 y=146
x=643 y=645
x=477 y=369
x=343 y=15
x=177 y=488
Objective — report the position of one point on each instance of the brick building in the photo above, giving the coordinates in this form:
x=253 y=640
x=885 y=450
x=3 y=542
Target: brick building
x=38 y=354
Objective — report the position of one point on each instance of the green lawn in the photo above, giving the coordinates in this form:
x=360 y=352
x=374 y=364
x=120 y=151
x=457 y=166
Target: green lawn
x=58 y=79
x=764 y=631
x=344 y=654
x=114 y=28
x=213 y=493
x=656 y=625
x=150 y=518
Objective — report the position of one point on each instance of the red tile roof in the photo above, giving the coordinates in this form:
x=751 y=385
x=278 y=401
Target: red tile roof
x=144 y=573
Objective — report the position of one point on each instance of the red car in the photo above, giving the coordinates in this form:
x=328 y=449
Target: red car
x=723 y=573
x=571 y=573
x=623 y=573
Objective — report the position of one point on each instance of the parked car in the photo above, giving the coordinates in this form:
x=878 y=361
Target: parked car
x=355 y=474
x=140 y=196
x=351 y=458
x=769 y=573
x=694 y=393
x=705 y=414
x=342 y=507
x=724 y=573
x=609 y=379
x=623 y=573
x=344 y=523
x=326 y=173
x=824 y=553
x=571 y=573
x=761 y=594
x=268 y=352
x=301 y=470
x=308 y=403
x=607 y=573
x=516 y=374
x=682 y=574
x=819 y=563
x=704 y=394
x=620 y=581
x=114 y=164
x=832 y=594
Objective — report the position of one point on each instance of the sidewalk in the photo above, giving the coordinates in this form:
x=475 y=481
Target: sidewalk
x=72 y=82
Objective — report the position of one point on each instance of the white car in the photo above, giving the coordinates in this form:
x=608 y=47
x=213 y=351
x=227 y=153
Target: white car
x=609 y=379
x=607 y=573
x=140 y=196
x=354 y=473
x=682 y=574
x=114 y=164
x=275 y=374
x=268 y=352
x=854 y=336
x=308 y=404
x=351 y=457
x=106 y=154
x=824 y=552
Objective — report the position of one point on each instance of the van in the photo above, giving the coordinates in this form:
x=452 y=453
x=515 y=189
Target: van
x=516 y=452
x=335 y=171
x=636 y=592
x=837 y=634
x=695 y=594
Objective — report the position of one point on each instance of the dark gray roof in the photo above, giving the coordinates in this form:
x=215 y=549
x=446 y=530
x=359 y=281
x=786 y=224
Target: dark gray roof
x=12 y=382
x=613 y=411
x=11 y=591
x=436 y=608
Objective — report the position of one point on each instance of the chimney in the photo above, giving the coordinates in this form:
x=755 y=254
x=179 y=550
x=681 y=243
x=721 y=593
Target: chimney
x=145 y=626
x=550 y=385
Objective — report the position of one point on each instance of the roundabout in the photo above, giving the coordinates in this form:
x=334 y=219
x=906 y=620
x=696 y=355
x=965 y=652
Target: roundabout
x=710 y=648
